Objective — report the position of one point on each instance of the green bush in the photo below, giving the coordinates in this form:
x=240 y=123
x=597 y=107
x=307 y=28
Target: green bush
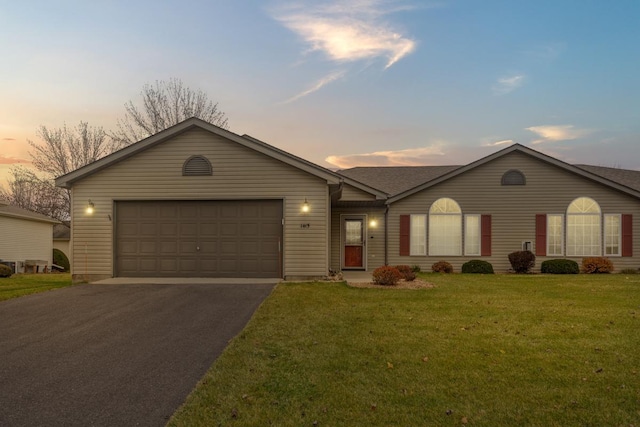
x=597 y=264
x=522 y=261
x=5 y=271
x=442 y=267
x=416 y=269
x=59 y=258
x=406 y=272
x=559 y=266
x=629 y=271
x=477 y=266
x=386 y=275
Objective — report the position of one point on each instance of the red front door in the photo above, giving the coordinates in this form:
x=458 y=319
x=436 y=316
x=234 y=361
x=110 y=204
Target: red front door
x=353 y=243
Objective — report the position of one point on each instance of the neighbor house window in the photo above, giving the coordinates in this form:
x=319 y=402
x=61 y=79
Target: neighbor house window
x=612 y=234
x=554 y=234
x=445 y=228
x=472 y=234
x=584 y=234
x=418 y=235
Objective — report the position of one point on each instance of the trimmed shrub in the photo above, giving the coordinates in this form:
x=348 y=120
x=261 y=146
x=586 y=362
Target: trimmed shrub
x=386 y=275
x=406 y=272
x=59 y=258
x=442 y=267
x=5 y=271
x=416 y=268
x=477 y=266
x=596 y=265
x=559 y=266
x=629 y=271
x=522 y=261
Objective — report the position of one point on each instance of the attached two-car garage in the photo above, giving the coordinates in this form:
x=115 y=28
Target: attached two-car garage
x=203 y=238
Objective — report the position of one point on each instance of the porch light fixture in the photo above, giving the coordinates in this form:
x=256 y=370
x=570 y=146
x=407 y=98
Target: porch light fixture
x=305 y=206
x=90 y=208
x=373 y=223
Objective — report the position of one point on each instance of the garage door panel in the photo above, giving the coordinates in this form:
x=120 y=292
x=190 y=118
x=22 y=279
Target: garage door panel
x=235 y=238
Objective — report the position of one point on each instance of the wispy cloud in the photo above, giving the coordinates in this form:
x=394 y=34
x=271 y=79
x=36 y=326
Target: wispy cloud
x=8 y=139
x=406 y=157
x=8 y=160
x=508 y=84
x=498 y=143
x=551 y=133
x=317 y=86
x=348 y=31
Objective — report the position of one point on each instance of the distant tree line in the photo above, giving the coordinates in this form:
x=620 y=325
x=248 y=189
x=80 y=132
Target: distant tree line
x=62 y=150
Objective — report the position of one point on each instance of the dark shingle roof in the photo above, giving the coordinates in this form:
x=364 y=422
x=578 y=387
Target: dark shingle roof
x=395 y=179
x=61 y=232
x=628 y=178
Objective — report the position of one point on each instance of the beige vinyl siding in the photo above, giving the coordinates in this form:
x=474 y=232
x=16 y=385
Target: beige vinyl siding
x=375 y=237
x=238 y=173
x=25 y=240
x=548 y=190
x=351 y=193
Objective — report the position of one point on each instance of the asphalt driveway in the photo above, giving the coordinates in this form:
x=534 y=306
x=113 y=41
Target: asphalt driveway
x=114 y=355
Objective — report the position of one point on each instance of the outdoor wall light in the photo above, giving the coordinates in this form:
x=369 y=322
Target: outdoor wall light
x=373 y=223
x=90 y=208
x=305 y=206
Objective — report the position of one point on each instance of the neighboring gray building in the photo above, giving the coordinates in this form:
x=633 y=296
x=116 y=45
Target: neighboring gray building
x=199 y=201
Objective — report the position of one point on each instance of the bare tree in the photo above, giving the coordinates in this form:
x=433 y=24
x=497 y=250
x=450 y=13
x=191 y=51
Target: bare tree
x=58 y=152
x=28 y=191
x=163 y=105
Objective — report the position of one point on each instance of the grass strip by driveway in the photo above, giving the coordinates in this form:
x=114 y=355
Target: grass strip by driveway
x=531 y=350
x=24 y=284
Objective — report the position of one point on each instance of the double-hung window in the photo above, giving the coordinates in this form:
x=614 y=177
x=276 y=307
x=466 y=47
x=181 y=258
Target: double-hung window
x=418 y=226
x=555 y=233
x=612 y=234
x=472 y=235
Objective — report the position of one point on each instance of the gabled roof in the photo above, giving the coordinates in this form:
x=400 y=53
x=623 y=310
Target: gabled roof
x=396 y=179
x=66 y=181
x=401 y=182
x=16 y=212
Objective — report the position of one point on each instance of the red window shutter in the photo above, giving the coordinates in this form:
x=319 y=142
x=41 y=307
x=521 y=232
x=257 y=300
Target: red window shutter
x=405 y=234
x=627 y=235
x=541 y=234
x=485 y=235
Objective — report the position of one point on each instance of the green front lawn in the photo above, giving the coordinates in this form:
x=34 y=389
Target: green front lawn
x=530 y=350
x=25 y=284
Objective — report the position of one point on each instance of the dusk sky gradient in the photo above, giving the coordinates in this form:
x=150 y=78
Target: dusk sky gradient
x=340 y=83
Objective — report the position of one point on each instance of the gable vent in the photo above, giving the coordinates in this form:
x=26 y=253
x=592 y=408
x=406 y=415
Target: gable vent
x=513 y=177
x=197 y=166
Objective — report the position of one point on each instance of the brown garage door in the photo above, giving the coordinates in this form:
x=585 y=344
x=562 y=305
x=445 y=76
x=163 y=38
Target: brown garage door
x=199 y=238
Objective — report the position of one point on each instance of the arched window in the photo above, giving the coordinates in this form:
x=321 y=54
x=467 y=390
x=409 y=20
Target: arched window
x=584 y=228
x=445 y=228
x=197 y=166
x=513 y=177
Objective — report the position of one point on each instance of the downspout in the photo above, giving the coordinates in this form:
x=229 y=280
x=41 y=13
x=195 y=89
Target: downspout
x=386 y=235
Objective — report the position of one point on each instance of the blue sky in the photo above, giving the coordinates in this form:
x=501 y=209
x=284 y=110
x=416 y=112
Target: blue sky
x=341 y=83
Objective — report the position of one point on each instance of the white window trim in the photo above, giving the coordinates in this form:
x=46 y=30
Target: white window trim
x=466 y=237
x=562 y=233
x=411 y=237
x=604 y=234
